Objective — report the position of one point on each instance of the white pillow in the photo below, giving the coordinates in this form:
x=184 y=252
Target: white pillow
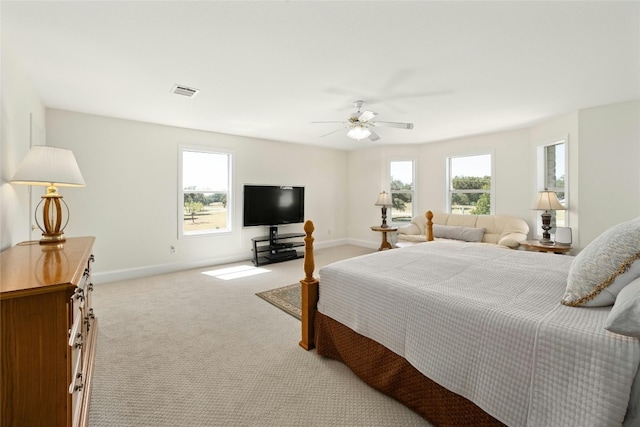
x=508 y=242
x=604 y=267
x=625 y=315
x=466 y=234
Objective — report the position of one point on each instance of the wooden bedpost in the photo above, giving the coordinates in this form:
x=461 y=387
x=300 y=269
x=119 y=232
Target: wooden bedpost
x=308 y=291
x=429 y=215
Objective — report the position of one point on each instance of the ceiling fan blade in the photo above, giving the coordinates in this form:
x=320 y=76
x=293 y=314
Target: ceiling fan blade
x=374 y=136
x=332 y=132
x=394 y=125
x=335 y=121
x=366 y=116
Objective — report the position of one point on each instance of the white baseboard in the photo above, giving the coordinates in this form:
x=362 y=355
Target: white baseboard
x=363 y=243
x=151 y=270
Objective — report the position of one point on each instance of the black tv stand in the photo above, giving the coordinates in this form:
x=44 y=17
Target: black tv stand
x=277 y=249
x=273 y=235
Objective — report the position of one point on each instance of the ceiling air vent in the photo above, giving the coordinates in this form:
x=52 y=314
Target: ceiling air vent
x=184 y=91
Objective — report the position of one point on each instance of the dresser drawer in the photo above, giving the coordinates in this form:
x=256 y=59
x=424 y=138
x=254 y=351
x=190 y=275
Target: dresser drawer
x=76 y=369
x=75 y=333
x=76 y=387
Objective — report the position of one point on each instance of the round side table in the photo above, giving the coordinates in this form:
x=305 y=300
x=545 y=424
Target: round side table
x=384 y=230
x=556 y=248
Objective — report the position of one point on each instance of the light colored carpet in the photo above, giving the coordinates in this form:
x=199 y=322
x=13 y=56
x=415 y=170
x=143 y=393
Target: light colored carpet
x=190 y=349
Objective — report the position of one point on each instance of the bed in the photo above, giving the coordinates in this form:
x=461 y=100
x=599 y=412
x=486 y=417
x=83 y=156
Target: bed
x=473 y=334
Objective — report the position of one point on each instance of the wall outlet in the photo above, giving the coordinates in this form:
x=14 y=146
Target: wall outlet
x=172 y=249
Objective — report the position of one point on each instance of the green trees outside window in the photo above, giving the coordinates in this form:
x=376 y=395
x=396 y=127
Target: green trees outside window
x=401 y=185
x=476 y=203
x=469 y=182
x=205 y=177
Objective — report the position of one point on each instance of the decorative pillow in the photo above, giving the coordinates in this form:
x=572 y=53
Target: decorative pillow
x=410 y=229
x=508 y=242
x=466 y=234
x=609 y=262
x=624 y=318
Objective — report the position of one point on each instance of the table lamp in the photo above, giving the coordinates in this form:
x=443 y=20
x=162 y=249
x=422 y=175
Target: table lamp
x=51 y=167
x=547 y=201
x=384 y=200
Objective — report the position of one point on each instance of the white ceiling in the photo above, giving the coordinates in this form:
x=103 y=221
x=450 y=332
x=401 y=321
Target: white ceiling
x=268 y=69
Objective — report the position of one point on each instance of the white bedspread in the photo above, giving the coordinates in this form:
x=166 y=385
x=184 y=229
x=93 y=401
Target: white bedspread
x=487 y=323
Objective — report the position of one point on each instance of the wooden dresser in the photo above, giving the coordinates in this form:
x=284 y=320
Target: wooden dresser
x=48 y=333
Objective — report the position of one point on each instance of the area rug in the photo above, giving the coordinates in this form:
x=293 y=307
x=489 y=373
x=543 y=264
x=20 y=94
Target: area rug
x=286 y=298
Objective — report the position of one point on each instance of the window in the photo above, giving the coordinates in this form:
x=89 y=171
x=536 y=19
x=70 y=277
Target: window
x=204 y=198
x=552 y=173
x=402 y=178
x=469 y=182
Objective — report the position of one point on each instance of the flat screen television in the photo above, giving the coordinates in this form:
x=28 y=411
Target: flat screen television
x=272 y=205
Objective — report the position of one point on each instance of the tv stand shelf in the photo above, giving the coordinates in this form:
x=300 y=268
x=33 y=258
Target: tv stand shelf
x=277 y=249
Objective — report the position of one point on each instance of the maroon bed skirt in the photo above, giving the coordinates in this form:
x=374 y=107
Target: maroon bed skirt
x=394 y=376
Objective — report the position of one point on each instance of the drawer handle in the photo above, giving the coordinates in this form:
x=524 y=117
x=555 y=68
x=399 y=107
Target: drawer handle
x=88 y=318
x=77 y=376
x=76 y=340
x=76 y=387
x=74 y=333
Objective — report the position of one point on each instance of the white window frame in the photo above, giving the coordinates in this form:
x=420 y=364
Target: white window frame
x=541 y=184
x=413 y=192
x=449 y=181
x=181 y=192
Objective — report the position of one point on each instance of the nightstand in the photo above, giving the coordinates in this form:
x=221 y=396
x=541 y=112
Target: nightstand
x=384 y=230
x=535 y=245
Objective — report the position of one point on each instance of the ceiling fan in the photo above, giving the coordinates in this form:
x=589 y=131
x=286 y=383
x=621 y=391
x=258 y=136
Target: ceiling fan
x=360 y=124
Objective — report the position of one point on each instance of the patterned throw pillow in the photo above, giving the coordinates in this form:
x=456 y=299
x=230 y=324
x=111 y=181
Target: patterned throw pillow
x=604 y=267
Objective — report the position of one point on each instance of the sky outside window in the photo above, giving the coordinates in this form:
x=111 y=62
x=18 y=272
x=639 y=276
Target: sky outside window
x=471 y=166
x=201 y=171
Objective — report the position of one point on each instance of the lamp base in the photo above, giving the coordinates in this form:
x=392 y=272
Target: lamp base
x=546 y=226
x=384 y=217
x=52 y=226
x=547 y=242
x=52 y=238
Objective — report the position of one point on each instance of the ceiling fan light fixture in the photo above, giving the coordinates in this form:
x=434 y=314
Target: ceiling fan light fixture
x=358 y=133
x=359 y=124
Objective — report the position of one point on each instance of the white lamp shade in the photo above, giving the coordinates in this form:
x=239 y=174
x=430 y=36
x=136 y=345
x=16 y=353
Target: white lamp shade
x=548 y=201
x=358 y=133
x=383 y=199
x=45 y=165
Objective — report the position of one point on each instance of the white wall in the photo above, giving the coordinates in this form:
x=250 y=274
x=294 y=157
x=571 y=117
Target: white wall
x=609 y=161
x=23 y=114
x=130 y=201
